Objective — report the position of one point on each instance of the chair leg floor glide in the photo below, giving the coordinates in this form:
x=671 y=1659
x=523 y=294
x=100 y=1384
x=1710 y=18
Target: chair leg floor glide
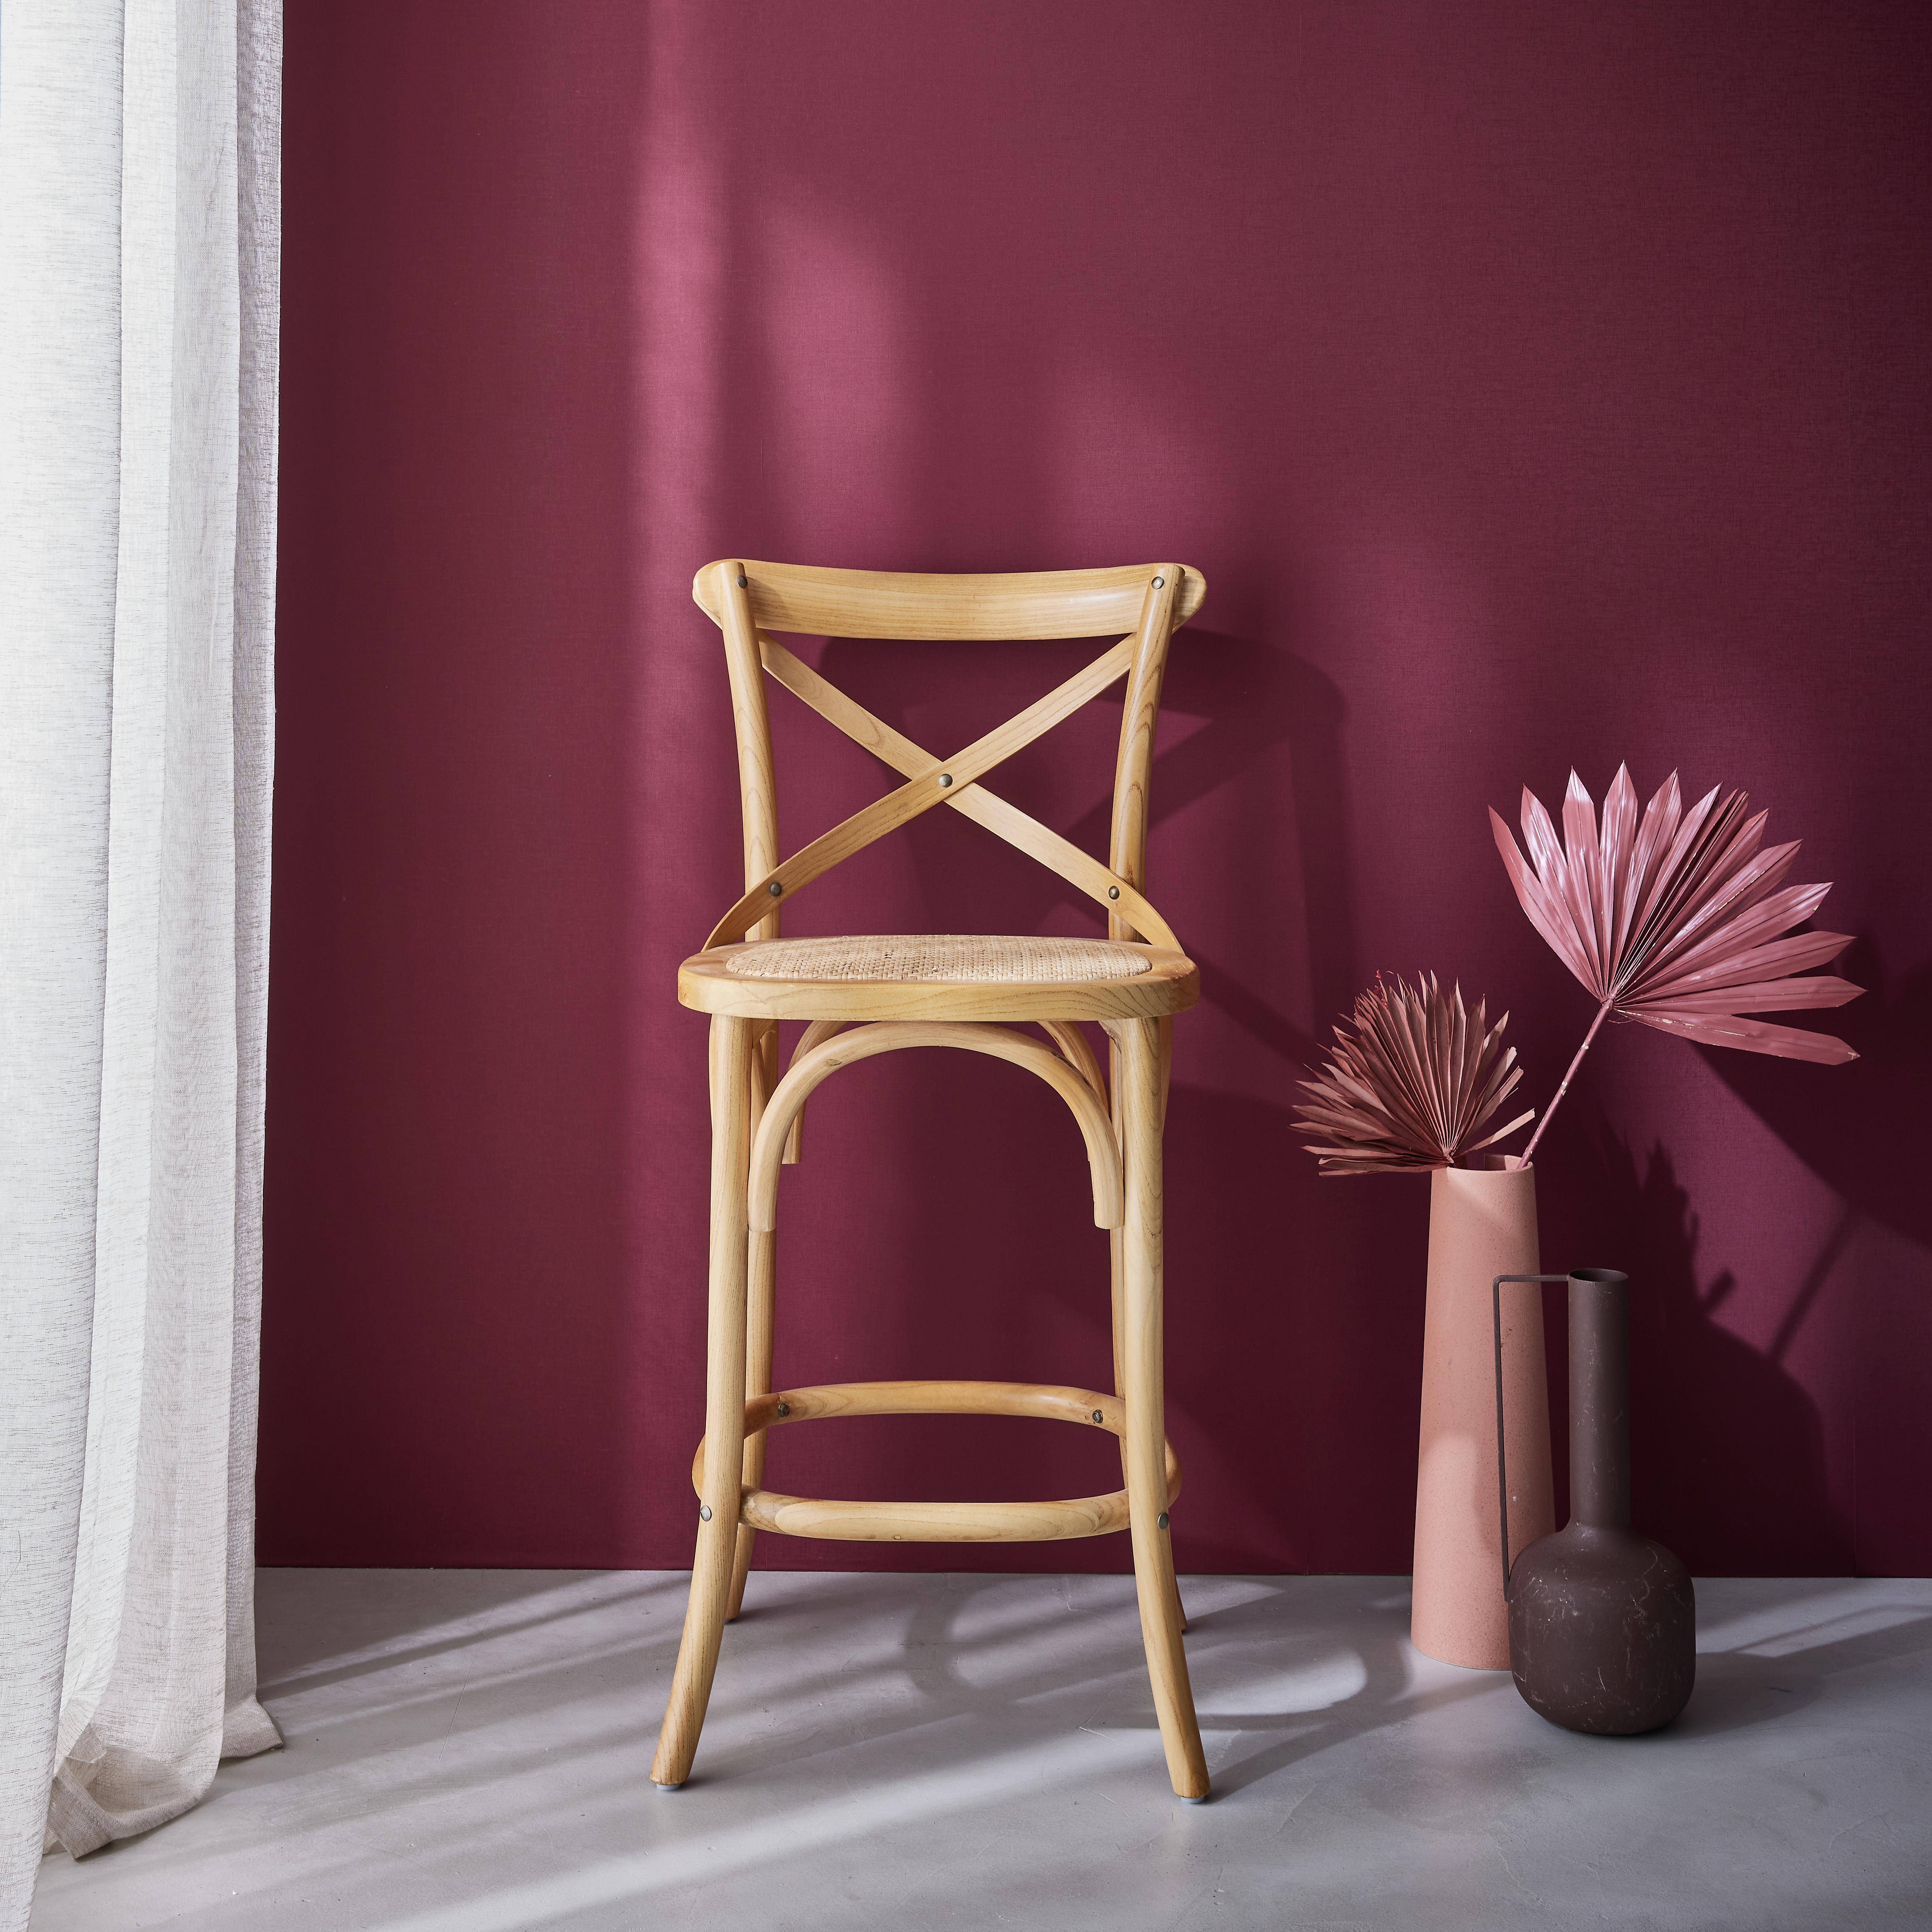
x=749 y=1119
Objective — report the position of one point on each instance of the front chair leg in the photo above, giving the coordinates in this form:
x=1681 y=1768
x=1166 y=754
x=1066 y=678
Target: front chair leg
x=724 y=1408
x=1116 y=1255
x=1145 y=1438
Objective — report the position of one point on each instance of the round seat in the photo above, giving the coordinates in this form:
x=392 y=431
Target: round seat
x=940 y=958
x=939 y=976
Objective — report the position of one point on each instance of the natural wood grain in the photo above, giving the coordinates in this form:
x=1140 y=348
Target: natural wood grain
x=834 y=1519
x=938 y=1523
x=1126 y=853
x=818 y=602
x=1141 y=1238
x=1078 y=1053
x=1129 y=910
x=808 y=1069
x=1170 y=985
x=719 y=1485
x=921 y=793
x=1051 y=1401
x=1117 y=1252
x=762 y=1273
x=760 y=1311
x=757 y=786
x=817 y=1031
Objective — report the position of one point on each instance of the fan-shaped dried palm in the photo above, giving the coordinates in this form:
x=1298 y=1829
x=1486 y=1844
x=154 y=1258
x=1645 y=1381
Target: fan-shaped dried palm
x=1408 y=1088
x=1678 y=920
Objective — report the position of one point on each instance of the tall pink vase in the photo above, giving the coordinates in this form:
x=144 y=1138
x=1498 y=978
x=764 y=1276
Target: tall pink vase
x=1482 y=1223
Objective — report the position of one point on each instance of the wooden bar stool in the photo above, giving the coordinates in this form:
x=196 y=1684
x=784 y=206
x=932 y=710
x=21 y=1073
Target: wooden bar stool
x=936 y=990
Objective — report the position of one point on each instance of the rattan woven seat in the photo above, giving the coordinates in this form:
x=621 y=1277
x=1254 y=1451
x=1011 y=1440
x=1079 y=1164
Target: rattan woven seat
x=940 y=958
x=870 y=993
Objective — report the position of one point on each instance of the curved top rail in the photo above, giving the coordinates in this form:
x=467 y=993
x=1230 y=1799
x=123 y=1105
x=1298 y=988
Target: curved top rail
x=820 y=602
x=808 y=1070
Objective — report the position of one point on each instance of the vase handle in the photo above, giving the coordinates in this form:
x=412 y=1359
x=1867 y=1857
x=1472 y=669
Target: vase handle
x=1502 y=1474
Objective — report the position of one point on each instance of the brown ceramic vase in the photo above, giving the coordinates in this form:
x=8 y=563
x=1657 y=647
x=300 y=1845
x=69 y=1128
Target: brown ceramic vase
x=1603 y=1622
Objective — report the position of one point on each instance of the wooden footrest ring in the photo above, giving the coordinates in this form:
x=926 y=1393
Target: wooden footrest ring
x=936 y=1522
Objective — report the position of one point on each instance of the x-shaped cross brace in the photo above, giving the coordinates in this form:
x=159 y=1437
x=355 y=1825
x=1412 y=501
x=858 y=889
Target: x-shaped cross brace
x=952 y=781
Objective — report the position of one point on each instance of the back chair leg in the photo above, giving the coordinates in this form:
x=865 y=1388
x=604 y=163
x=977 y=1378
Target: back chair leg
x=711 y=1572
x=759 y=1313
x=758 y=1381
x=1142 y=1083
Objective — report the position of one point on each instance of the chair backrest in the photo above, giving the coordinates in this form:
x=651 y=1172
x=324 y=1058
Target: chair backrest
x=748 y=600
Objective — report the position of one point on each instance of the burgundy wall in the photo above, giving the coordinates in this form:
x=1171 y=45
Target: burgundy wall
x=1533 y=384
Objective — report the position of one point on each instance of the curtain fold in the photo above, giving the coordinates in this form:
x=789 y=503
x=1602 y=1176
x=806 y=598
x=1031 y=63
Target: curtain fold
x=140 y=249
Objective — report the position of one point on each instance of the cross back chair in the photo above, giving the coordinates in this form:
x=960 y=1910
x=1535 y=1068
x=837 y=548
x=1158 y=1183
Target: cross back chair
x=898 y=992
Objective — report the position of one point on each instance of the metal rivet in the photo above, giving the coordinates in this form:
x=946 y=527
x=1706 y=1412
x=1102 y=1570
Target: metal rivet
x=1157 y=583
x=741 y=582
x=775 y=888
x=945 y=779
x=1098 y=1417
x=1161 y=1519
x=784 y=1408
x=704 y=1512
x=1113 y=892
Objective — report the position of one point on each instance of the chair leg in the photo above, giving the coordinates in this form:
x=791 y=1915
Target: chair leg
x=758 y=1314
x=1145 y=1438
x=758 y=1381
x=1116 y=1258
x=724 y=1405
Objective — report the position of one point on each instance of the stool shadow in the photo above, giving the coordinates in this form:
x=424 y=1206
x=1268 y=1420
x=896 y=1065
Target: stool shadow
x=1735 y=1691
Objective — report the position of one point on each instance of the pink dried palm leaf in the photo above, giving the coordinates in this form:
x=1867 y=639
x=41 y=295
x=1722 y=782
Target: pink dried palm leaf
x=1411 y=1084
x=1679 y=919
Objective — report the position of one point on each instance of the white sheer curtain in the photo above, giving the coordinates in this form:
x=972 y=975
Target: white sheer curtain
x=139 y=245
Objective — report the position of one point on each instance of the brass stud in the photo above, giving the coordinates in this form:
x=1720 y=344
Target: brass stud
x=775 y=888
x=945 y=779
x=704 y=1512
x=1161 y=1519
x=1157 y=583
x=741 y=582
x=1113 y=892
x=784 y=1408
x=1099 y=1416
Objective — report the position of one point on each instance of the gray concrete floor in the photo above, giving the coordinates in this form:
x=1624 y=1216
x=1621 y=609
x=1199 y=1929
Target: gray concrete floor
x=468 y=1752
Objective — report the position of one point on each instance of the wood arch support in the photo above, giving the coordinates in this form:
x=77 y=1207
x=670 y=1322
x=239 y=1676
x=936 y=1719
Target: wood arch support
x=809 y=1068
x=814 y=1035
x=1064 y=1034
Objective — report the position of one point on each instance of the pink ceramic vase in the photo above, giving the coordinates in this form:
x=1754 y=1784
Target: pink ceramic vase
x=1482 y=1223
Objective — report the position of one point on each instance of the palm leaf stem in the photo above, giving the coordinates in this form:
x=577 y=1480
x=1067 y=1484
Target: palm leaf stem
x=1603 y=1013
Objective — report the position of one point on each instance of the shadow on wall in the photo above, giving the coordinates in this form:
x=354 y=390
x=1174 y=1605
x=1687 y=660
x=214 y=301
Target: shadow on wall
x=1254 y=698
x=1829 y=1123
x=1017 y=1284
x=1863 y=1133
x=1727 y=1450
